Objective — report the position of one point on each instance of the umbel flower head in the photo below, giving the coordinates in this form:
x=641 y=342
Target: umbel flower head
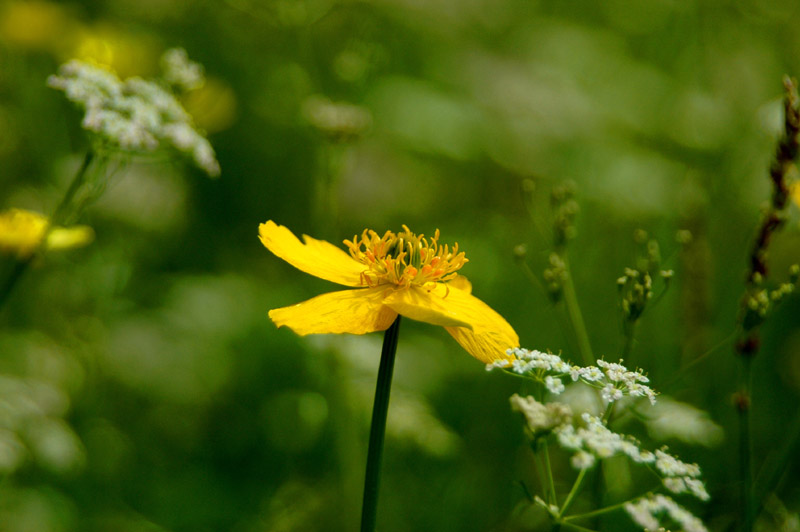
x=22 y=232
x=137 y=115
x=394 y=274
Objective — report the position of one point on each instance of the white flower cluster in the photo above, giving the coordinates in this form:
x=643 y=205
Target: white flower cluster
x=135 y=114
x=596 y=441
x=540 y=418
x=613 y=380
x=646 y=510
x=180 y=72
x=338 y=120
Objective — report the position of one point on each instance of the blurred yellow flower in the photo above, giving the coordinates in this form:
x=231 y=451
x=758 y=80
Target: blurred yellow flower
x=401 y=273
x=21 y=234
x=127 y=54
x=794 y=192
x=35 y=25
x=212 y=106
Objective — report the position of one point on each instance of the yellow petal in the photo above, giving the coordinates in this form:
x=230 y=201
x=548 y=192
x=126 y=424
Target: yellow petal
x=460 y=282
x=794 y=191
x=430 y=306
x=489 y=344
x=69 y=237
x=316 y=257
x=491 y=335
x=348 y=311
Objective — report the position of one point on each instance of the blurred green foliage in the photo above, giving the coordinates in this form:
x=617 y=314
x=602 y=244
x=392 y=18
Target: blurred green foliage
x=142 y=386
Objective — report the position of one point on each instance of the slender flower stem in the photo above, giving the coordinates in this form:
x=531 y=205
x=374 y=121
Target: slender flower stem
x=575 y=487
x=552 y=499
x=61 y=210
x=595 y=513
x=630 y=334
x=681 y=372
x=768 y=479
x=576 y=318
x=747 y=346
x=377 y=429
x=21 y=265
x=607 y=414
x=745 y=446
x=577 y=527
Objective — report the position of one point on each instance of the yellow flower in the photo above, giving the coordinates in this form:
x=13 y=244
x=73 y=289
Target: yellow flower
x=794 y=192
x=21 y=234
x=35 y=25
x=212 y=106
x=392 y=274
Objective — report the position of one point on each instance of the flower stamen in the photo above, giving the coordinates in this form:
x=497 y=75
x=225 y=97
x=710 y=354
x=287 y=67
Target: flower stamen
x=404 y=259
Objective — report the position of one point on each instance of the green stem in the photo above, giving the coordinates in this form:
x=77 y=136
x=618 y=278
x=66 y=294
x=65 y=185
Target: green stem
x=595 y=513
x=574 y=491
x=577 y=527
x=61 y=210
x=745 y=444
x=769 y=478
x=576 y=318
x=630 y=333
x=552 y=499
x=540 y=286
x=681 y=372
x=377 y=429
x=21 y=265
x=608 y=412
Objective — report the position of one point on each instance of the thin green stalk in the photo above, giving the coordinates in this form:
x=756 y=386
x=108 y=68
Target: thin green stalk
x=61 y=210
x=377 y=428
x=576 y=318
x=574 y=491
x=630 y=333
x=552 y=499
x=595 y=513
x=577 y=527
x=769 y=477
x=681 y=372
x=21 y=265
x=540 y=286
x=745 y=446
x=609 y=411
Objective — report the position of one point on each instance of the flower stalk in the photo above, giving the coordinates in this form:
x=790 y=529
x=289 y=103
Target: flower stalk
x=753 y=309
x=59 y=215
x=377 y=429
x=576 y=317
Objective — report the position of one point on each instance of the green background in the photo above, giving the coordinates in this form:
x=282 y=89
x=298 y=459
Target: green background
x=142 y=374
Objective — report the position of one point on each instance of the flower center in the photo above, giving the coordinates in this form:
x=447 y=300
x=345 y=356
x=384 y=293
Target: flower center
x=404 y=258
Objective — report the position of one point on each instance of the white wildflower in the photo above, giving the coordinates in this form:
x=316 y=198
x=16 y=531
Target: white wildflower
x=180 y=71
x=540 y=418
x=552 y=509
x=568 y=438
x=582 y=460
x=674 y=484
x=697 y=488
x=498 y=364
x=641 y=515
x=554 y=385
x=668 y=465
x=610 y=393
x=613 y=379
x=133 y=115
x=644 y=512
x=591 y=374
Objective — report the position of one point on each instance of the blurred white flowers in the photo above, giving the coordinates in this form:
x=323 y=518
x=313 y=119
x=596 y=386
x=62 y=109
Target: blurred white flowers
x=138 y=115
